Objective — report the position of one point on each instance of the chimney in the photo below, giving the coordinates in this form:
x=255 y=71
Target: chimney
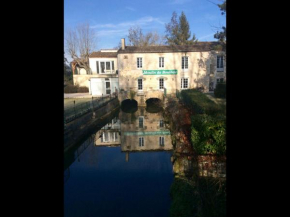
x=123 y=43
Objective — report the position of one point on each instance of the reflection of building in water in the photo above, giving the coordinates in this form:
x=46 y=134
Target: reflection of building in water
x=211 y=166
x=144 y=131
x=109 y=135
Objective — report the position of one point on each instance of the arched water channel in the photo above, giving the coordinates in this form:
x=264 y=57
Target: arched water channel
x=123 y=169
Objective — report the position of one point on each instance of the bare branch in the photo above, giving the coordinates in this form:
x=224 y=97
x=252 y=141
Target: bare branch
x=80 y=43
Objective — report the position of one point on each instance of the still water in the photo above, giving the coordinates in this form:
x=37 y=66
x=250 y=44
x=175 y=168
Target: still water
x=122 y=170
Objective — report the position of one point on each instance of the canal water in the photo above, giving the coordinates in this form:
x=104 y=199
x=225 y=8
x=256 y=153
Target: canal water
x=123 y=169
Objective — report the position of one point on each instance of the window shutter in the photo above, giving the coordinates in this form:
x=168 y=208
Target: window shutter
x=112 y=65
x=98 y=67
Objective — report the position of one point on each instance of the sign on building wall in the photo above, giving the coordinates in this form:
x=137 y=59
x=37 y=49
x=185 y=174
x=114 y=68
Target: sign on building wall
x=160 y=72
x=147 y=133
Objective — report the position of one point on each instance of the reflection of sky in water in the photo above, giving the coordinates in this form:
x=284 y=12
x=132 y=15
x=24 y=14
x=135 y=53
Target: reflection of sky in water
x=102 y=183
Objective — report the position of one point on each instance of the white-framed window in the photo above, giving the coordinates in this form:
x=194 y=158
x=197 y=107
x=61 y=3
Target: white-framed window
x=184 y=62
x=107 y=67
x=106 y=137
x=115 y=136
x=184 y=83
x=141 y=121
x=141 y=141
x=219 y=80
x=220 y=64
x=161 y=83
x=161 y=62
x=139 y=62
x=161 y=123
x=161 y=141
x=140 y=84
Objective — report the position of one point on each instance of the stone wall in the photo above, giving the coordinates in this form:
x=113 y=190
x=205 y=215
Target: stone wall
x=78 y=129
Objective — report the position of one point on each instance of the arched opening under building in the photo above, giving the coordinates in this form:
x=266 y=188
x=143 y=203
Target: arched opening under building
x=129 y=106
x=154 y=105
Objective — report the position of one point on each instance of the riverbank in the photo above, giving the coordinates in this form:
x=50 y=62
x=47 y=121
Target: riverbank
x=199 y=180
x=80 y=128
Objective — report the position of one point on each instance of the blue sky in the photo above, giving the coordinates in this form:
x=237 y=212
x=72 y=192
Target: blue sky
x=111 y=19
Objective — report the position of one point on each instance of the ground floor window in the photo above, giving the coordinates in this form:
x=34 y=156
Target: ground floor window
x=161 y=124
x=184 y=83
x=141 y=141
x=219 y=80
x=161 y=141
x=140 y=84
x=141 y=122
x=161 y=83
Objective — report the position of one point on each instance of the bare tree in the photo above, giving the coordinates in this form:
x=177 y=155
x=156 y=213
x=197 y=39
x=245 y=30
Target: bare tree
x=137 y=38
x=80 y=42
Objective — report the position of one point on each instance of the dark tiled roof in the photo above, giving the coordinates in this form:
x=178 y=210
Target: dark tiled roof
x=103 y=54
x=199 y=46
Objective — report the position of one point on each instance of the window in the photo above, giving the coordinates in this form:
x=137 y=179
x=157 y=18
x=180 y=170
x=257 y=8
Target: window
x=161 y=62
x=140 y=84
x=106 y=67
x=161 y=83
x=108 y=87
x=220 y=63
x=105 y=137
x=161 y=141
x=161 y=124
x=141 y=122
x=141 y=141
x=115 y=136
x=184 y=63
x=139 y=62
x=219 y=80
x=98 y=71
x=184 y=83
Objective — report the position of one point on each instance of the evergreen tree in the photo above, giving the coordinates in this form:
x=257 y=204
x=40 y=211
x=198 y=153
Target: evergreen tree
x=172 y=30
x=178 y=33
x=221 y=35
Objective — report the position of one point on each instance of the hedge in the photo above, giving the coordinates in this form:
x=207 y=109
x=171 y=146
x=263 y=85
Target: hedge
x=199 y=102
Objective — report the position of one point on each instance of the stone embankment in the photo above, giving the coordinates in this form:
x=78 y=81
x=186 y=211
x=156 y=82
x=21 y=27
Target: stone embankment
x=80 y=128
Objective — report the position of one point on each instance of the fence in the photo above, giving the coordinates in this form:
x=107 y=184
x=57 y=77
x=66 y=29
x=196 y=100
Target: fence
x=78 y=109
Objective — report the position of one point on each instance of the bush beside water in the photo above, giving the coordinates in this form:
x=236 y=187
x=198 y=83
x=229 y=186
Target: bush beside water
x=220 y=90
x=75 y=89
x=208 y=128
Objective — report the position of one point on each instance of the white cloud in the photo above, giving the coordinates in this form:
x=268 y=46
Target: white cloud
x=122 y=28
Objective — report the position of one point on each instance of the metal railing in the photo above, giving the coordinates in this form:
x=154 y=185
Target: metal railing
x=78 y=109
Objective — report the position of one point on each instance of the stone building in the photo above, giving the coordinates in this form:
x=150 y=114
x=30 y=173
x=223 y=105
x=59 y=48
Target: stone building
x=153 y=71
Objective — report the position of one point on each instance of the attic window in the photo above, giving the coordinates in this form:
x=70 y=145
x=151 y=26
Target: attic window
x=125 y=57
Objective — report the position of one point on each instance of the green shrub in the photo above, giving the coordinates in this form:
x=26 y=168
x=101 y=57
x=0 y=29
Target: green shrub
x=69 y=88
x=200 y=103
x=220 y=90
x=185 y=200
x=208 y=134
x=83 y=89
